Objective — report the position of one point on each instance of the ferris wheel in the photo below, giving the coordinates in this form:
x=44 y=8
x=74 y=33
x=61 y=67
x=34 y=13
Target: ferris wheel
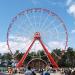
x=30 y=23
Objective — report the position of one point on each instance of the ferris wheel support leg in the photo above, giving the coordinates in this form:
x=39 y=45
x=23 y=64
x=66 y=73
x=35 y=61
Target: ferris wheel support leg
x=49 y=55
x=19 y=64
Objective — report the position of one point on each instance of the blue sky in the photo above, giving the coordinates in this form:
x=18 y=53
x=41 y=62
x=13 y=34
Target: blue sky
x=10 y=8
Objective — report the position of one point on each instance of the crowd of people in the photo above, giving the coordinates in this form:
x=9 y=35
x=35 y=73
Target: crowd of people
x=47 y=71
x=63 y=71
x=69 y=71
x=30 y=71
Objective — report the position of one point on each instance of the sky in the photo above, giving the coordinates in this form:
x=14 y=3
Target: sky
x=10 y=8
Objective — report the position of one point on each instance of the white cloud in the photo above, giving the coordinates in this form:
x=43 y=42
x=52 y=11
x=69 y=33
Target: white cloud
x=71 y=7
x=18 y=38
x=71 y=10
x=19 y=43
x=13 y=46
x=73 y=31
x=36 y=46
x=3 y=47
x=15 y=43
x=56 y=44
x=22 y=44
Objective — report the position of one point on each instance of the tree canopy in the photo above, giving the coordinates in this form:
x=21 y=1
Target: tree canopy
x=66 y=60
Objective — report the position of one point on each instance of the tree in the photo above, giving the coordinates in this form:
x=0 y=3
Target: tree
x=68 y=59
x=6 y=56
x=56 y=53
x=19 y=56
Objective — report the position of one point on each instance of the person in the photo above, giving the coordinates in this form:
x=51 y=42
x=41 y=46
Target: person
x=33 y=73
x=42 y=72
x=69 y=72
x=66 y=71
x=10 y=70
x=73 y=73
x=28 y=71
x=46 y=72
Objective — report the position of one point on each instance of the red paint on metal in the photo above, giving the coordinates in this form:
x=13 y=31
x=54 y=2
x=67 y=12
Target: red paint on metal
x=24 y=56
x=49 y=55
x=37 y=37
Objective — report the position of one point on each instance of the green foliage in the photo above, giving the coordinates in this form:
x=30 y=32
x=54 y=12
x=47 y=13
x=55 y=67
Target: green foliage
x=6 y=56
x=19 y=56
x=67 y=60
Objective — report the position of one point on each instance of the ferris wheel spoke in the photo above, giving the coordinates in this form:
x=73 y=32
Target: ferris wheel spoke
x=43 y=21
x=19 y=28
x=43 y=24
x=40 y=21
x=49 y=25
x=58 y=26
x=18 y=37
x=57 y=33
x=23 y=29
x=34 y=17
x=29 y=21
x=48 y=31
x=18 y=43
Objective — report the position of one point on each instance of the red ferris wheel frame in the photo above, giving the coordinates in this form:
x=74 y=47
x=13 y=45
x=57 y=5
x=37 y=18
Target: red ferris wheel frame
x=50 y=13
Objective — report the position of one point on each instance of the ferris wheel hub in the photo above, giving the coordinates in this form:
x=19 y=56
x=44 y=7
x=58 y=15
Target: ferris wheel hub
x=37 y=35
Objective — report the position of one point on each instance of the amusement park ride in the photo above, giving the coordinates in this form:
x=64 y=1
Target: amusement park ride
x=44 y=24
x=37 y=37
